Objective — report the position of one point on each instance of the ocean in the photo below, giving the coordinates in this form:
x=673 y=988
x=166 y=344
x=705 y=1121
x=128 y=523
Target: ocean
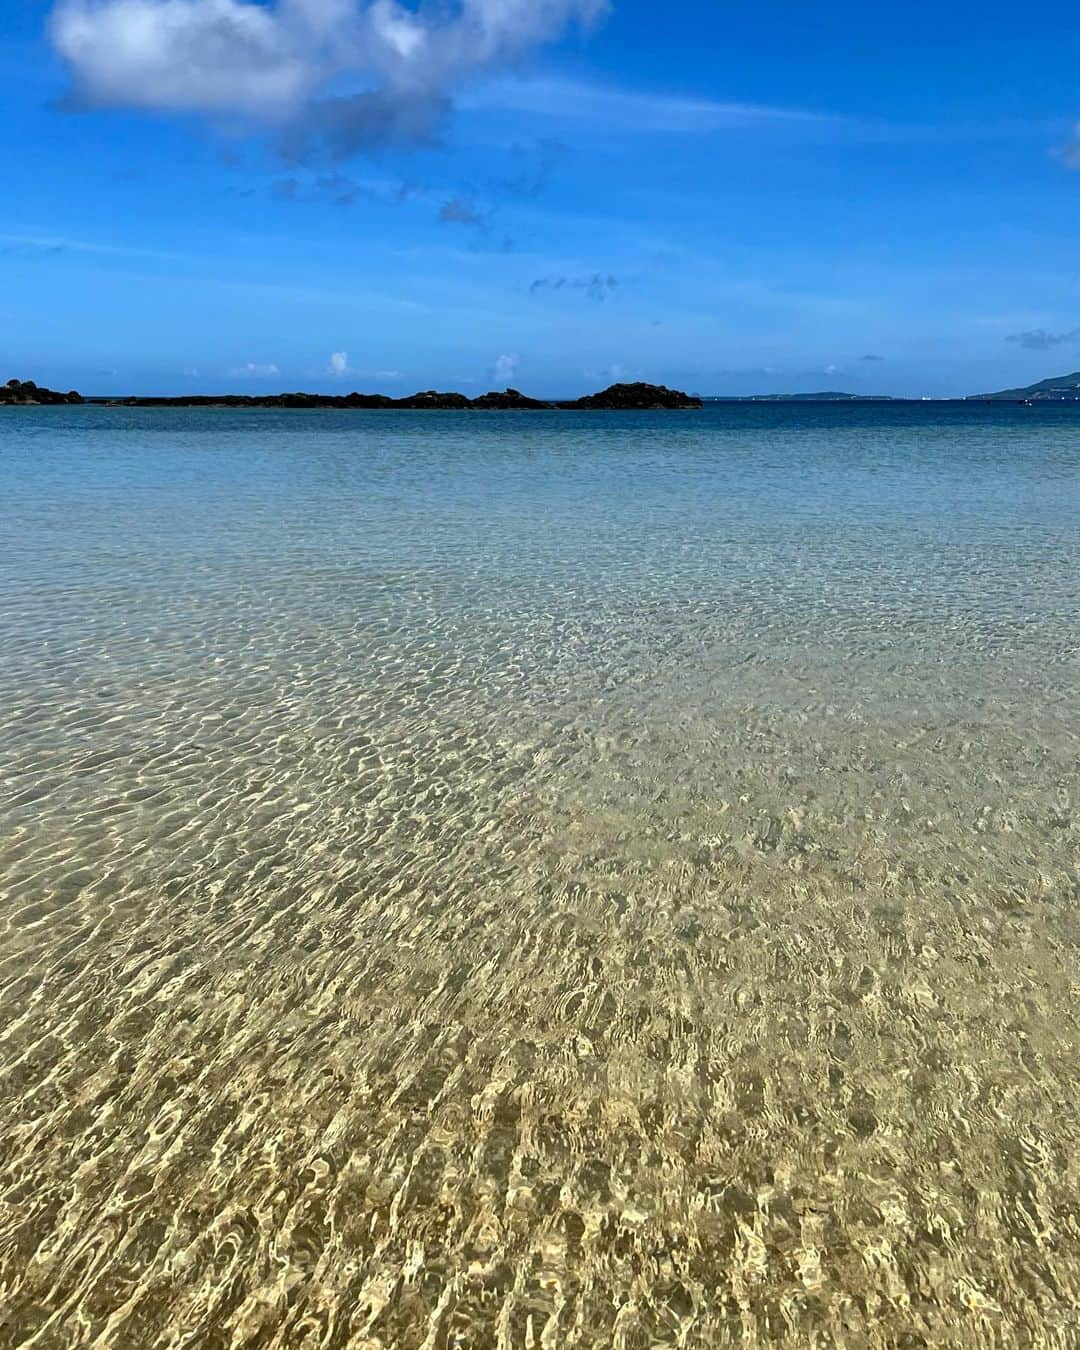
x=540 y=879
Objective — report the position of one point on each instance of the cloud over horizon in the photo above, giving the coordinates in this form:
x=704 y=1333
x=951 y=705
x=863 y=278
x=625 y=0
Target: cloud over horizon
x=255 y=370
x=505 y=367
x=1040 y=340
x=283 y=64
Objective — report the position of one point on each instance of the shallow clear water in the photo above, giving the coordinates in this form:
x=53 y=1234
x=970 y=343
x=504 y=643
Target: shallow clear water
x=539 y=879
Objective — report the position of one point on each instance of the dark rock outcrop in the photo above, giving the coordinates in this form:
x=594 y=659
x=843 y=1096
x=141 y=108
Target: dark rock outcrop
x=634 y=397
x=28 y=393
x=508 y=400
x=430 y=398
x=619 y=397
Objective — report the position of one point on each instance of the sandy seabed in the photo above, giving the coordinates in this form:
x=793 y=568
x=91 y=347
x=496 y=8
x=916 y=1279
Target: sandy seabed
x=737 y=1007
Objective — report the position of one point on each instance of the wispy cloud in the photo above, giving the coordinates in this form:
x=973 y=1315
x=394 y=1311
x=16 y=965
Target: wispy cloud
x=53 y=244
x=338 y=365
x=871 y=357
x=532 y=167
x=597 y=287
x=255 y=370
x=1070 y=153
x=1040 y=340
x=831 y=369
x=335 y=189
x=629 y=109
x=610 y=374
x=279 y=63
x=464 y=211
x=475 y=206
x=225 y=276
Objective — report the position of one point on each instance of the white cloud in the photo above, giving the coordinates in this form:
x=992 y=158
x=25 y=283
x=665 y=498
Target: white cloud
x=212 y=55
x=255 y=370
x=505 y=368
x=339 y=364
x=272 y=61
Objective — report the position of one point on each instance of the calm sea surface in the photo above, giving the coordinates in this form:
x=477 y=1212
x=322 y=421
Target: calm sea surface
x=504 y=880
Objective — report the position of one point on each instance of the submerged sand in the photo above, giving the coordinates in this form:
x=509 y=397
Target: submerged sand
x=732 y=1005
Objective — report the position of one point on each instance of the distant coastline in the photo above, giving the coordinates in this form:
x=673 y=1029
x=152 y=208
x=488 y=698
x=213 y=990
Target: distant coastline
x=638 y=396
x=616 y=398
x=1058 y=389
x=825 y=396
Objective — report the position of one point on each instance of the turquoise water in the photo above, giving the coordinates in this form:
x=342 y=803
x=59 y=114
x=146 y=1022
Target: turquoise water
x=755 y=524
x=504 y=876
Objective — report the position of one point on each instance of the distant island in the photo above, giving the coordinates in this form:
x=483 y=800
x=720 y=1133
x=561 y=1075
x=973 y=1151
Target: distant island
x=824 y=396
x=616 y=398
x=1060 y=389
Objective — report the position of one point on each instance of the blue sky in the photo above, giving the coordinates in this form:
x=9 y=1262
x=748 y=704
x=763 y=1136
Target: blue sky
x=726 y=197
